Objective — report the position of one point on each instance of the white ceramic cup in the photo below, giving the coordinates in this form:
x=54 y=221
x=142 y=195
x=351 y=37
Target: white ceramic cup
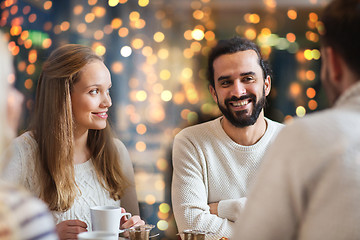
x=97 y=235
x=107 y=218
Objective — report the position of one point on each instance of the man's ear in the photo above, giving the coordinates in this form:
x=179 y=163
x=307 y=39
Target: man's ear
x=213 y=93
x=267 y=85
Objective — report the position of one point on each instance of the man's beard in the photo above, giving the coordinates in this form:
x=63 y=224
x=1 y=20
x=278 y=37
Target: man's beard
x=239 y=118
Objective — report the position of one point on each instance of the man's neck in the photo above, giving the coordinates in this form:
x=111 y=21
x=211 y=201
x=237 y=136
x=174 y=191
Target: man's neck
x=246 y=136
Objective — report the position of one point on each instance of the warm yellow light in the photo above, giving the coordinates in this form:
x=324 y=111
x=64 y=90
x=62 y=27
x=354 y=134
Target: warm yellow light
x=46 y=43
x=307 y=54
x=195 y=46
x=15 y=30
x=147 y=51
x=197 y=34
x=139 y=24
x=143 y=3
x=28 y=84
x=116 y=23
x=179 y=98
x=315 y=54
x=113 y=3
x=165 y=74
x=117 y=67
x=47 y=5
x=92 y=2
x=295 y=89
x=150 y=199
x=300 y=111
x=209 y=35
x=126 y=51
x=188 y=53
x=184 y=113
x=81 y=28
x=32 y=57
x=164 y=208
x=312 y=104
x=310 y=75
x=187 y=35
x=99 y=11
x=30 y=69
x=141 y=129
x=90 y=17
x=141 y=96
x=162 y=225
x=159 y=37
x=198 y=14
x=313 y=17
x=161 y=164
x=98 y=34
x=254 y=18
x=187 y=73
x=310 y=93
x=100 y=50
x=137 y=43
x=78 y=9
x=292 y=14
x=123 y=32
x=291 y=37
x=250 y=33
x=163 y=53
x=166 y=96
x=134 y=16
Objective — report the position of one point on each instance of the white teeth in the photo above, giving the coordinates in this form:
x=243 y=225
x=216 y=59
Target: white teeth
x=240 y=103
x=102 y=114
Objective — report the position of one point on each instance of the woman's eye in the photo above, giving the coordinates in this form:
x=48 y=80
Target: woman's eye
x=94 y=91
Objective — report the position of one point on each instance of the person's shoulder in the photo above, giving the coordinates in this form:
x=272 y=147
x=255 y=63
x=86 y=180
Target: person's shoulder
x=26 y=138
x=199 y=129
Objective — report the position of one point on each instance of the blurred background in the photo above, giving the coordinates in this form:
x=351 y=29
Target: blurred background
x=156 y=51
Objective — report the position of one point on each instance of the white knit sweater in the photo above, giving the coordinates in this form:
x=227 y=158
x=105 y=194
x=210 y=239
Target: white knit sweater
x=21 y=170
x=308 y=187
x=210 y=167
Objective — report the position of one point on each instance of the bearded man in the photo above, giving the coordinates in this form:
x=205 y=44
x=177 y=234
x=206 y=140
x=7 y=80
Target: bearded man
x=215 y=162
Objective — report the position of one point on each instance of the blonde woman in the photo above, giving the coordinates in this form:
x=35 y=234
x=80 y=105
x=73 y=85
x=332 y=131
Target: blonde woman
x=70 y=158
x=22 y=216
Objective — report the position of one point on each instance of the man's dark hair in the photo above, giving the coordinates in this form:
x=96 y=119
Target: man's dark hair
x=341 y=19
x=230 y=46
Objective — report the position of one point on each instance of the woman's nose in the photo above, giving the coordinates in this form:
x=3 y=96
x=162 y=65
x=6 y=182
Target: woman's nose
x=106 y=101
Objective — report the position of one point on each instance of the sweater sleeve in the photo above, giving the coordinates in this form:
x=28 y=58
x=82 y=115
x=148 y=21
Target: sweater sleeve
x=190 y=193
x=13 y=171
x=129 y=199
x=231 y=208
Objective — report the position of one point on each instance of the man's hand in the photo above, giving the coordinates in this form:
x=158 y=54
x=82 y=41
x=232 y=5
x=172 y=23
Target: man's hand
x=70 y=229
x=214 y=208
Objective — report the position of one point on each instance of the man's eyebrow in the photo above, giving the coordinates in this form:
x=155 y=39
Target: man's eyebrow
x=247 y=73
x=241 y=75
x=223 y=78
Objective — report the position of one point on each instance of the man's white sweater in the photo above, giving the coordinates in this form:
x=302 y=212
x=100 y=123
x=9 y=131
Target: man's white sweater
x=210 y=167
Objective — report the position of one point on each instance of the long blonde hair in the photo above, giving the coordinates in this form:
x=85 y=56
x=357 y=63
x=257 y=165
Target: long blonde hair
x=53 y=128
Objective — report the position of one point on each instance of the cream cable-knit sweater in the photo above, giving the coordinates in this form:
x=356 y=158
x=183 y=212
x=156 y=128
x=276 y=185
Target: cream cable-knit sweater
x=21 y=170
x=308 y=187
x=210 y=167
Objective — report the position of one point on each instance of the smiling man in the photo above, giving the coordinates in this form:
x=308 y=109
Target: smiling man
x=215 y=162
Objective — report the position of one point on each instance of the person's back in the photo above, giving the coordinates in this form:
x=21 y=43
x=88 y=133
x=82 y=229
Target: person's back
x=308 y=186
x=22 y=216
